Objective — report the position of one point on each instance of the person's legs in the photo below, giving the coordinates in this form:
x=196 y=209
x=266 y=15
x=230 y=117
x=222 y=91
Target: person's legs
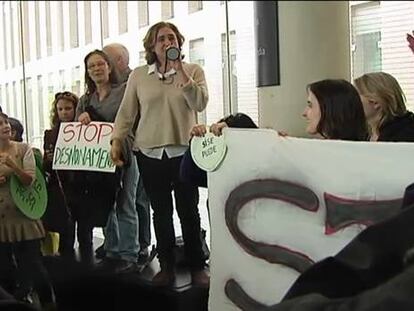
x=142 y=204
x=32 y=271
x=85 y=240
x=7 y=268
x=125 y=220
x=67 y=240
x=157 y=182
x=186 y=199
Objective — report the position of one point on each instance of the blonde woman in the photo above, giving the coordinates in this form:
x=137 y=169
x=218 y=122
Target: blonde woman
x=384 y=107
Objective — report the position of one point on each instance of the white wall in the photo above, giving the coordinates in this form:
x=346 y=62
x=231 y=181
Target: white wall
x=314 y=45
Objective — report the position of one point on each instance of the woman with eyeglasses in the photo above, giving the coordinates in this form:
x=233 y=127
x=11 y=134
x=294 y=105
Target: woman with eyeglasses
x=60 y=215
x=164 y=97
x=101 y=103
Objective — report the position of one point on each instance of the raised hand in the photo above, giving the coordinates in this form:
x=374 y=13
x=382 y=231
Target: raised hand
x=410 y=39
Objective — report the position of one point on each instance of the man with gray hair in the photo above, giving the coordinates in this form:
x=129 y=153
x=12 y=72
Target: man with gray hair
x=120 y=58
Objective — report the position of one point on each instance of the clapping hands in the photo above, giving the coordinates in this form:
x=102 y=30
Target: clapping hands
x=6 y=159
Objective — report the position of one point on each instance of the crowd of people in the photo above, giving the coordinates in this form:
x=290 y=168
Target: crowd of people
x=152 y=161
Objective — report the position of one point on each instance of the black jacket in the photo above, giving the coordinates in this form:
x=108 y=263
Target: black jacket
x=400 y=129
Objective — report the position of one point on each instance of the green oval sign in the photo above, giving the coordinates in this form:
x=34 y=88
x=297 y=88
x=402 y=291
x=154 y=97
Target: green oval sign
x=31 y=200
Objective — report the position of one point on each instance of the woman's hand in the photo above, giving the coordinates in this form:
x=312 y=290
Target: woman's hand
x=49 y=155
x=217 y=128
x=116 y=152
x=3 y=179
x=282 y=133
x=84 y=118
x=410 y=39
x=198 y=130
x=7 y=160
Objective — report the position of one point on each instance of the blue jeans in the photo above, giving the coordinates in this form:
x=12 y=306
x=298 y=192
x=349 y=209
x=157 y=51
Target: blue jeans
x=121 y=231
x=142 y=204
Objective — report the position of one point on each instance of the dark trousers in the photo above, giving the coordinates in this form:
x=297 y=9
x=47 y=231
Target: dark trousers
x=160 y=178
x=28 y=267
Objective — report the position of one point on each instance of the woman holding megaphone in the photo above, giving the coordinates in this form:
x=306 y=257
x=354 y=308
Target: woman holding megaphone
x=164 y=97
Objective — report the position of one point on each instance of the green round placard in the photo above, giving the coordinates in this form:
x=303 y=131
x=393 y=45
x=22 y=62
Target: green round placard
x=31 y=200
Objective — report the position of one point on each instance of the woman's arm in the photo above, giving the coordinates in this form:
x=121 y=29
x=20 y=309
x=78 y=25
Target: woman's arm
x=195 y=90
x=128 y=110
x=126 y=116
x=25 y=177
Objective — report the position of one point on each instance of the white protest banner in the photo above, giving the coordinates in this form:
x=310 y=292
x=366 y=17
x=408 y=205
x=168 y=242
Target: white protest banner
x=208 y=151
x=84 y=147
x=279 y=204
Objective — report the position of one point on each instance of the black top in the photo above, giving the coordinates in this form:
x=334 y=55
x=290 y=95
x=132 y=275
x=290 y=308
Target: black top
x=401 y=129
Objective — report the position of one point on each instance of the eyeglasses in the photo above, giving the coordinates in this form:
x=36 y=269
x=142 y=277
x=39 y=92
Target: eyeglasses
x=67 y=95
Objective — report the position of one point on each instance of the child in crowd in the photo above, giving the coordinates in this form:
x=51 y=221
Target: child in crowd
x=58 y=216
x=20 y=236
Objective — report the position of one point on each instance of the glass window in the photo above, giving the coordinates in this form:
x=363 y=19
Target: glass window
x=88 y=22
x=76 y=83
x=366 y=38
x=194 y=6
x=62 y=81
x=228 y=63
x=229 y=74
x=37 y=31
x=142 y=60
x=30 y=112
x=197 y=57
x=73 y=24
x=13 y=35
x=143 y=13
x=41 y=105
x=378 y=30
x=167 y=10
x=4 y=33
x=242 y=59
x=105 y=21
x=8 y=103
x=60 y=29
x=26 y=34
x=48 y=29
x=122 y=17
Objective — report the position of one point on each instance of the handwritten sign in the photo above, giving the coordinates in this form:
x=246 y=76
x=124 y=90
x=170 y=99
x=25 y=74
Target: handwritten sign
x=84 y=147
x=280 y=204
x=31 y=200
x=208 y=151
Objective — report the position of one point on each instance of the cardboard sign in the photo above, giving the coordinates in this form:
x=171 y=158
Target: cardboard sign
x=279 y=204
x=208 y=151
x=31 y=200
x=84 y=147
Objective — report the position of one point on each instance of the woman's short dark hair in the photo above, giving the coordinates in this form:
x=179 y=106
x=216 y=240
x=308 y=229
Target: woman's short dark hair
x=239 y=120
x=151 y=36
x=16 y=126
x=113 y=75
x=342 y=113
